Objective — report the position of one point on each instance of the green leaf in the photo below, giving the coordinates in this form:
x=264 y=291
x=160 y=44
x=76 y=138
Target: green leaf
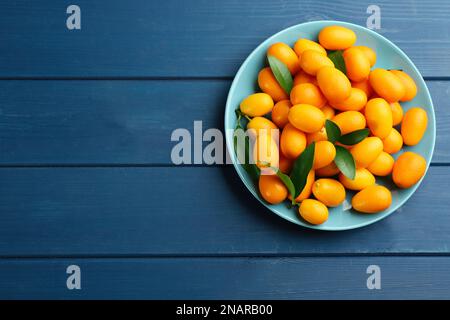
x=333 y=131
x=251 y=168
x=345 y=162
x=301 y=168
x=281 y=73
x=287 y=182
x=338 y=60
x=238 y=120
x=354 y=137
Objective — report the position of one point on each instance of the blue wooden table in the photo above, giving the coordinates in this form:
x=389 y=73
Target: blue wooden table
x=86 y=177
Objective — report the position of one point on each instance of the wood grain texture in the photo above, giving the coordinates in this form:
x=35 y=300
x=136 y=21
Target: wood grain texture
x=125 y=122
x=228 y=278
x=203 y=38
x=190 y=211
x=140 y=228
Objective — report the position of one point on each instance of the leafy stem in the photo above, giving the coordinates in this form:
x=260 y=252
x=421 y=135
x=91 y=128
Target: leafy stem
x=281 y=73
x=287 y=182
x=344 y=159
x=354 y=137
x=338 y=59
x=251 y=168
x=345 y=162
x=302 y=166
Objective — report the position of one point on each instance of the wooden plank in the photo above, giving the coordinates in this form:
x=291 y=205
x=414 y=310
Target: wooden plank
x=442 y=149
x=124 y=122
x=228 y=278
x=189 y=211
x=204 y=38
x=102 y=121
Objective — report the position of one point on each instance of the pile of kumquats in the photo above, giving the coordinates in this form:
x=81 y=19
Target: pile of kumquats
x=327 y=123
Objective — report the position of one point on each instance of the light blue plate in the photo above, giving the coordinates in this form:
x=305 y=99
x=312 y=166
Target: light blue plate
x=389 y=56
